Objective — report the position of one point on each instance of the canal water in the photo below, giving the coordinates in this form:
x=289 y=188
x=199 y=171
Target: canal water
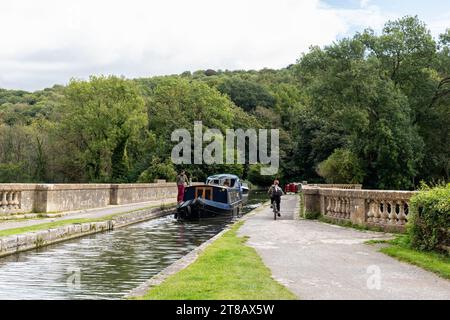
x=106 y=265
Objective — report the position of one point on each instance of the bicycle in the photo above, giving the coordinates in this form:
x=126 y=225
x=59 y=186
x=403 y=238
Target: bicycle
x=275 y=210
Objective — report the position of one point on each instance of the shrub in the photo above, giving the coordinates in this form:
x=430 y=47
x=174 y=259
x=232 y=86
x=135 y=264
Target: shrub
x=343 y=166
x=158 y=170
x=429 y=225
x=254 y=176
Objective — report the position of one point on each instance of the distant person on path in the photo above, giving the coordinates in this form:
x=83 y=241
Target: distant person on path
x=182 y=180
x=275 y=192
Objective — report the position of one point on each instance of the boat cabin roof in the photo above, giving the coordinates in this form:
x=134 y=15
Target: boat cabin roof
x=223 y=180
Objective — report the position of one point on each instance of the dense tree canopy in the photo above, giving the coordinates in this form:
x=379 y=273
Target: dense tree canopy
x=372 y=108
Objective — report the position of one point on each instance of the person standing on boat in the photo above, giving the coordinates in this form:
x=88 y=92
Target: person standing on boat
x=182 y=180
x=275 y=192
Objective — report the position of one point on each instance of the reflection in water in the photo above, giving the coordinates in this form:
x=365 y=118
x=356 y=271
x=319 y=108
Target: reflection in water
x=105 y=265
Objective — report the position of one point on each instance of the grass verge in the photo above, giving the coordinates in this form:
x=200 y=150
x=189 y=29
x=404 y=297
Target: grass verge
x=55 y=224
x=349 y=224
x=432 y=261
x=227 y=269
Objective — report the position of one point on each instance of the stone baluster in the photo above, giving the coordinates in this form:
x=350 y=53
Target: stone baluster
x=384 y=213
x=331 y=206
x=401 y=213
x=377 y=215
x=348 y=208
x=344 y=208
x=392 y=205
x=338 y=207
x=9 y=200
x=371 y=211
x=328 y=209
x=4 y=201
x=16 y=199
x=335 y=209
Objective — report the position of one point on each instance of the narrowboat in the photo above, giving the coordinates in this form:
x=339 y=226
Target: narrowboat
x=222 y=194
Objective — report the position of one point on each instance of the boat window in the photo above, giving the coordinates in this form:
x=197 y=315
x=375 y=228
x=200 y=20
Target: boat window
x=204 y=192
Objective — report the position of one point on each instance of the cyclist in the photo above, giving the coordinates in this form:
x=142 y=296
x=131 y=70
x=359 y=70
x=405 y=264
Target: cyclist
x=275 y=192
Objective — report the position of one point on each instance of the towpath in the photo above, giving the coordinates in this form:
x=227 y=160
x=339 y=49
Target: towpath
x=323 y=261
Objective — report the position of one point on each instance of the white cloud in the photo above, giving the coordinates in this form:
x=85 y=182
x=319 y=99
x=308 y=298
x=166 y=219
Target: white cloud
x=48 y=41
x=440 y=24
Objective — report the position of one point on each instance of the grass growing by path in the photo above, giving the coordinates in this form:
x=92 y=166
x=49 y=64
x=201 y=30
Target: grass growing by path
x=59 y=223
x=227 y=269
x=432 y=261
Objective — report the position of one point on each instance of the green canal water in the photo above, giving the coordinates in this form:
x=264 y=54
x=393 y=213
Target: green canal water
x=106 y=265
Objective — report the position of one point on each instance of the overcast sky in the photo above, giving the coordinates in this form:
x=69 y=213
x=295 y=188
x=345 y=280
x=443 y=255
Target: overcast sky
x=47 y=42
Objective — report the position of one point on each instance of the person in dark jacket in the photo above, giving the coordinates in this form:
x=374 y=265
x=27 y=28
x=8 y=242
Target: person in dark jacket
x=275 y=192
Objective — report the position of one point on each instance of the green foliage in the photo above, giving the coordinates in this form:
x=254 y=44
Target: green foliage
x=100 y=117
x=158 y=170
x=367 y=111
x=246 y=94
x=343 y=166
x=255 y=177
x=385 y=98
x=12 y=172
x=429 y=225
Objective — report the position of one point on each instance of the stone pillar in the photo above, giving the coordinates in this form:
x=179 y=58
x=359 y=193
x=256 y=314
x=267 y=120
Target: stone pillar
x=41 y=198
x=114 y=194
x=312 y=203
x=358 y=210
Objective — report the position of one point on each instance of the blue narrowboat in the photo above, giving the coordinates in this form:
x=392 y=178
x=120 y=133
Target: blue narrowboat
x=222 y=194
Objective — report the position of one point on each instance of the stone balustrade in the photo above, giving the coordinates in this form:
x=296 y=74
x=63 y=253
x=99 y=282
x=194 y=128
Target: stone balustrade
x=10 y=200
x=43 y=198
x=16 y=198
x=386 y=209
x=337 y=207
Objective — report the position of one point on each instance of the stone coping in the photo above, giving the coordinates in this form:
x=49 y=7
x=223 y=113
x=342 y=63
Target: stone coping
x=362 y=193
x=143 y=185
x=18 y=186
x=63 y=186
x=79 y=186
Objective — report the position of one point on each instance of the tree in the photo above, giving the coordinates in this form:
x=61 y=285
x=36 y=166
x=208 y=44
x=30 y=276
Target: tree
x=342 y=166
x=246 y=94
x=100 y=117
x=158 y=170
x=365 y=112
x=404 y=48
x=255 y=177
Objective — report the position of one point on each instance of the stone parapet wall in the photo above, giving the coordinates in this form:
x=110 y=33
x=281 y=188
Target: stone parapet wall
x=44 y=198
x=142 y=192
x=386 y=209
x=68 y=197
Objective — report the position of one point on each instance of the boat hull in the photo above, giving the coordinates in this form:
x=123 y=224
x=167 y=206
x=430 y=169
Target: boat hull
x=211 y=200
x=199 y=208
